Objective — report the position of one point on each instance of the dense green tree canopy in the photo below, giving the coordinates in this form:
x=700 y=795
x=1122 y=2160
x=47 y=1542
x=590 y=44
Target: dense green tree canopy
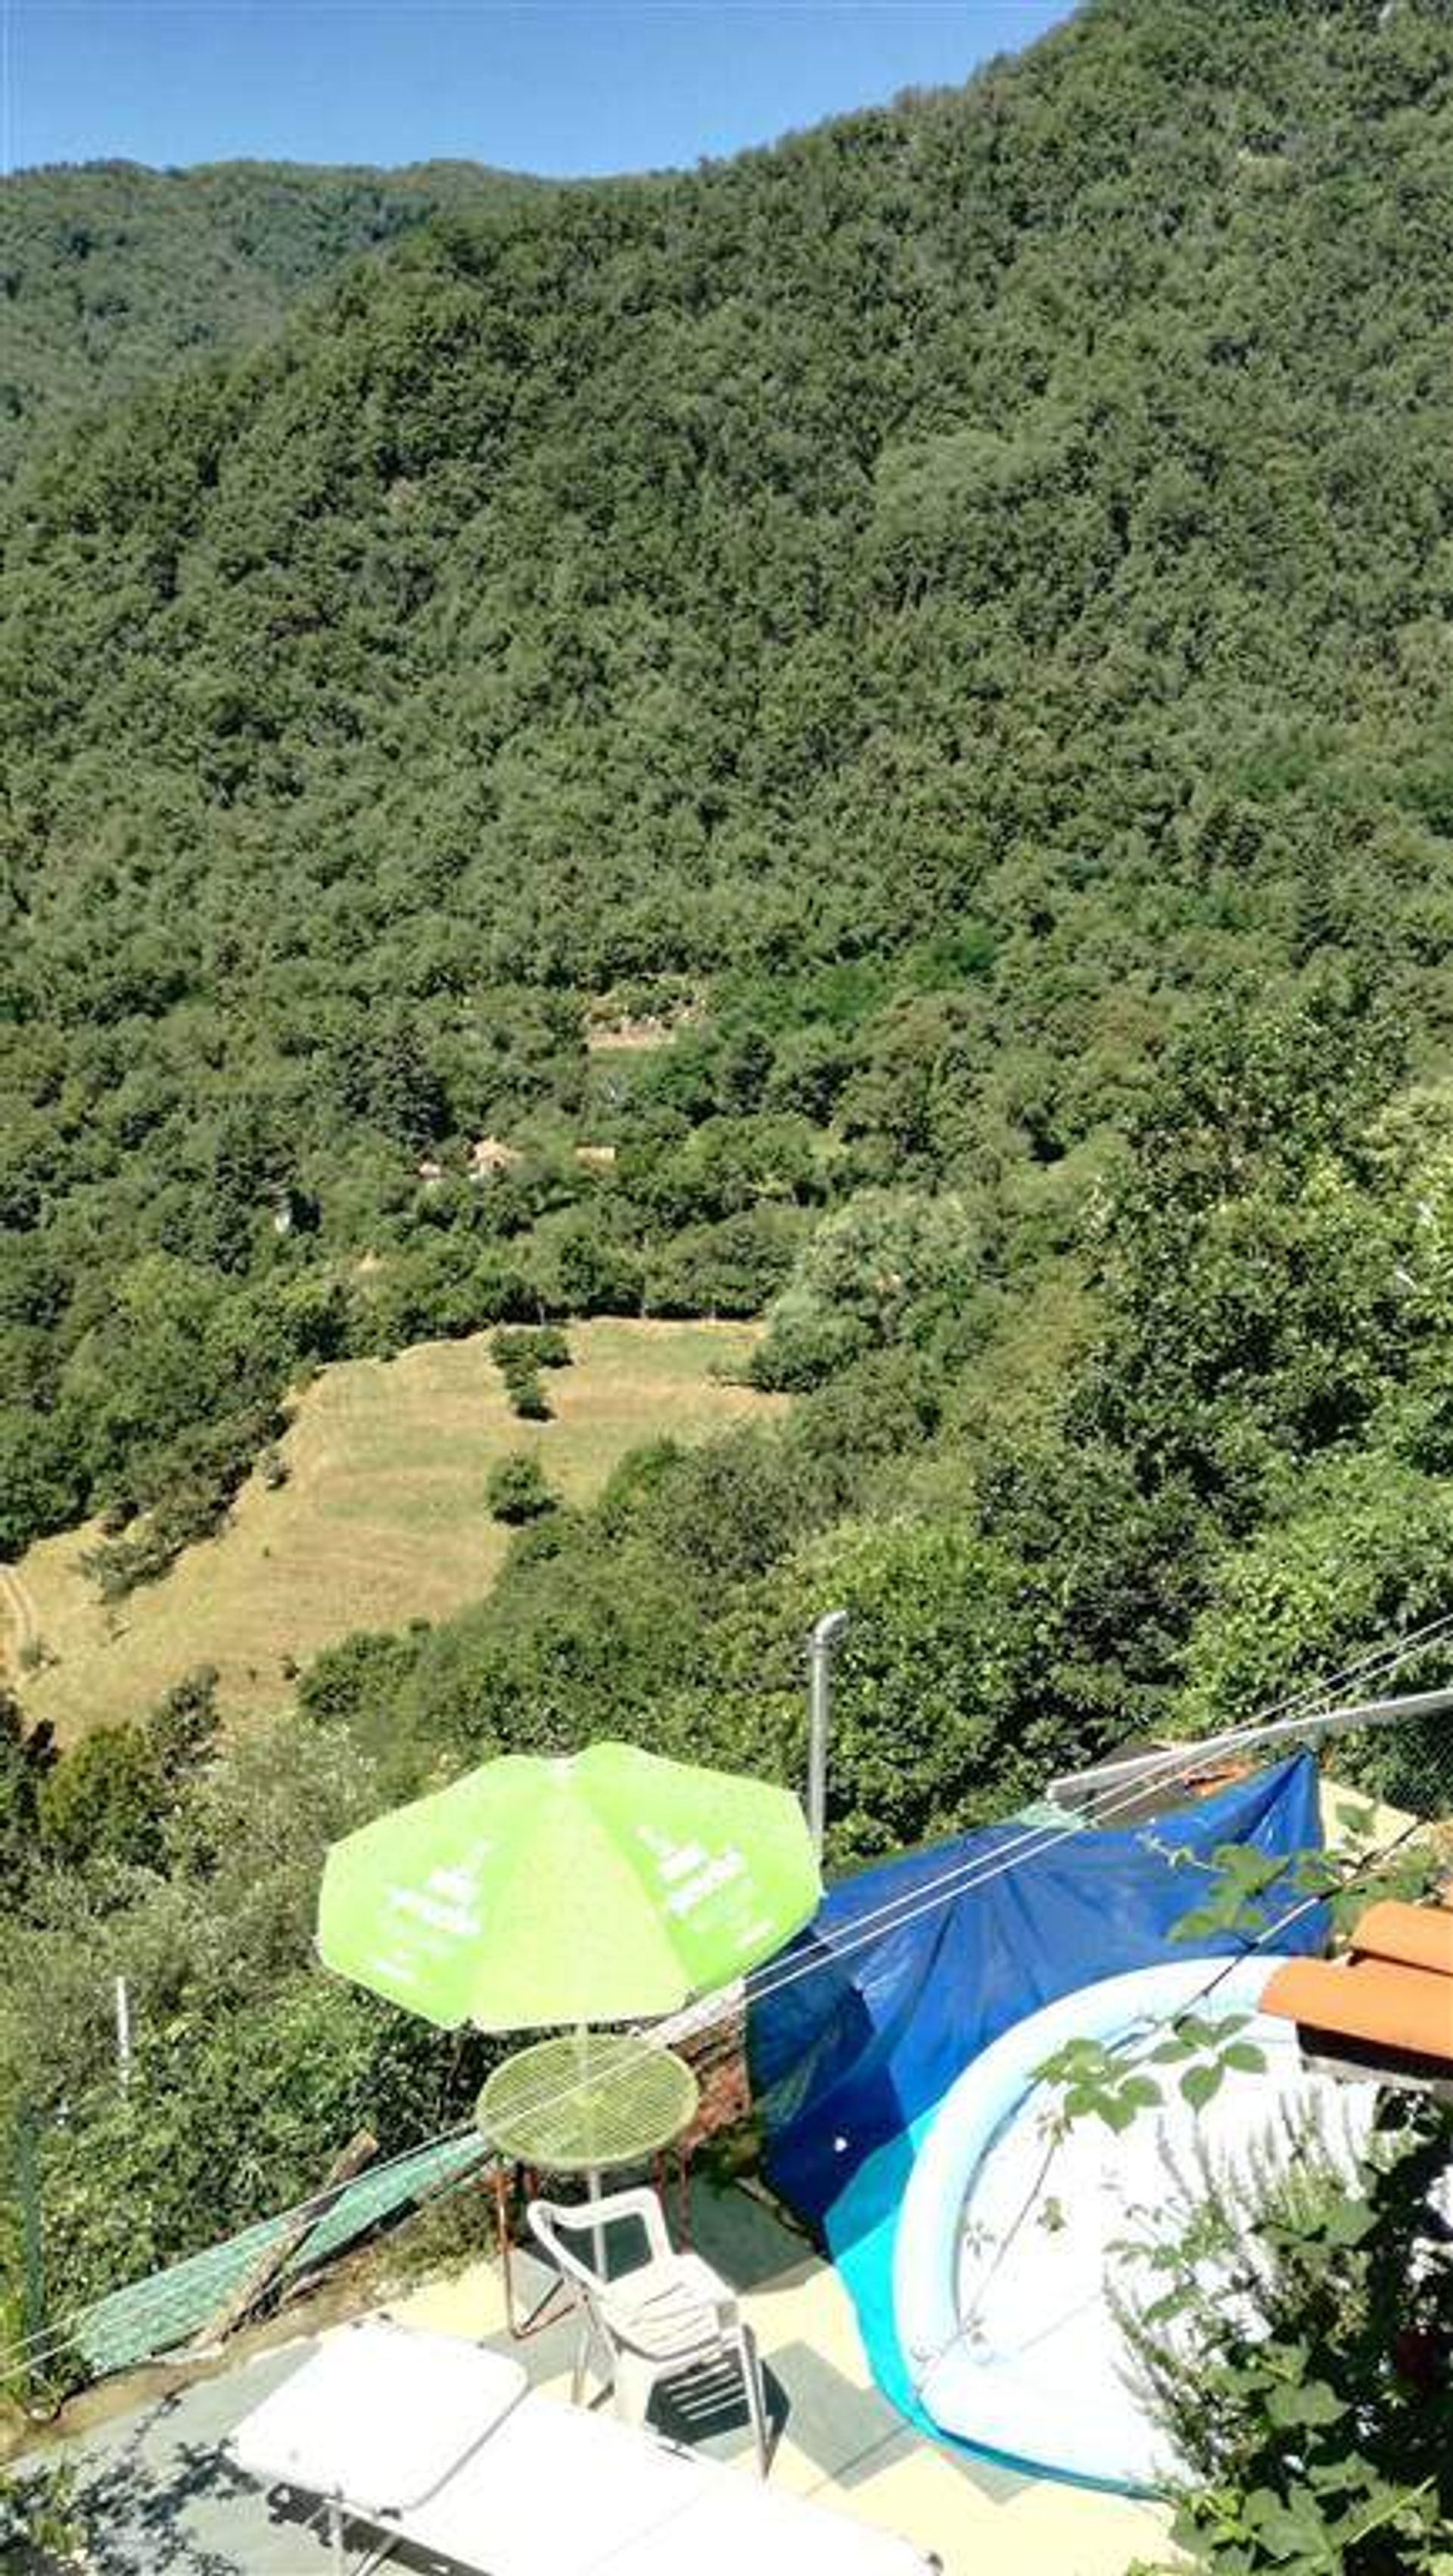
x=110 y=273
x=858 y=736
x=936 y=599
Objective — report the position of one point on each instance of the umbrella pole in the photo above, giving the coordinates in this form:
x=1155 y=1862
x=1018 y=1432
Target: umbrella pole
x=592 y=2178
x=597 y=2241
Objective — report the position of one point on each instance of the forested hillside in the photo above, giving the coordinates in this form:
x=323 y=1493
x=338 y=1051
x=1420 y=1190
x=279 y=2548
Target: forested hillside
x=953 y=591
x=863 y=735
x=110 y=273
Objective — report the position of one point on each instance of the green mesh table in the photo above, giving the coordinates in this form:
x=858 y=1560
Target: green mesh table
x=581 y=2104
x=586 y=2101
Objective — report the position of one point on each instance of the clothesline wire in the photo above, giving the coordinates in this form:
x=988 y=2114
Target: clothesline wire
x=1178 y=1762
x=930 y=1896
x=897 y=1913
x=976 y=1870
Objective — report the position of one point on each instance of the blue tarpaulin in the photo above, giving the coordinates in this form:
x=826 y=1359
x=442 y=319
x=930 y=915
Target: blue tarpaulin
x=918 y=1964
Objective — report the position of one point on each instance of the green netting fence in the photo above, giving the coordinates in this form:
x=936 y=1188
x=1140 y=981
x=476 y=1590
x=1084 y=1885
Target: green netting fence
x=155 y=2316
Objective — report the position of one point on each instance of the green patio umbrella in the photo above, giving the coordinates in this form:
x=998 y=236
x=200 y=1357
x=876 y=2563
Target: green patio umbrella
x=609 y=1887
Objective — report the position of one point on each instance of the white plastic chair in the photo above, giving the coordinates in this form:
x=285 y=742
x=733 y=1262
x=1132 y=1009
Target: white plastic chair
x=668 y=2317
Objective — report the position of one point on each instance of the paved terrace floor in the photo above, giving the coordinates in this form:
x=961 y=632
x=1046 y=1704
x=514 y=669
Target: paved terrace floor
x=169 y=2505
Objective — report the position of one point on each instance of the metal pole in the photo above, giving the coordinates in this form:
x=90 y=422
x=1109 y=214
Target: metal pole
x=123 y=2032
x=27 y=2192
x=592 y=2179
x=822 y=1644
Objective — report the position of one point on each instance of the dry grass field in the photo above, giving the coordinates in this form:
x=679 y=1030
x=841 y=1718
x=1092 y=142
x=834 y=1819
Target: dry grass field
x=382 y=1518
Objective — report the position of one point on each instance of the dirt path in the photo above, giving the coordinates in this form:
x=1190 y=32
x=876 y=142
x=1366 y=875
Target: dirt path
x=24 y=1627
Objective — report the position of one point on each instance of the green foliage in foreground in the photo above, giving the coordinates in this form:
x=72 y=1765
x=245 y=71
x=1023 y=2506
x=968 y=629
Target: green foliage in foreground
x=1294 y=2343
x=1253 y=1896
x=1290 y=2314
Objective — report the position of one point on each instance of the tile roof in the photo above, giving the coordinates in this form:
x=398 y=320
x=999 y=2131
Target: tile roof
x=1393 y=1993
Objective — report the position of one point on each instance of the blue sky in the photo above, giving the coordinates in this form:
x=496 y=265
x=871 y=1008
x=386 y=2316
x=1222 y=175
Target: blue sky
x=560 y=86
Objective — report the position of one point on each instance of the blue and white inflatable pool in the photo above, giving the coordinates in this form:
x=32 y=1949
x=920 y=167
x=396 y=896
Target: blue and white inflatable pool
x=1004 y=2323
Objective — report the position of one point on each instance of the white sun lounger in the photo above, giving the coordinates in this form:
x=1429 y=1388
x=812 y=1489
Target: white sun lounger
x=427 y=2439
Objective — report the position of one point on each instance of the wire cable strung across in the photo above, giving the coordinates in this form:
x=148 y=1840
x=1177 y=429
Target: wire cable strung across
x=1177 y=1762
x=932 y=1896
x=937 y=1893
x=929 y=1898
x=23 y=2356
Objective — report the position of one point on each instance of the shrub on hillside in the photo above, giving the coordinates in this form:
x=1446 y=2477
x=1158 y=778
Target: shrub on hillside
x=528 y=1400
x=731 y=1268
x=517 y=1490
x=882 y=1269
x=549 y=1345
x=519 y=1356
x=529 y=1346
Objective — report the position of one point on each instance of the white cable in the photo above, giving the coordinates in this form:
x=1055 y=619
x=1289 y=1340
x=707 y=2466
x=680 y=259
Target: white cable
x=930 y=1896
x=1175 y=1762
x=977 y=1871
x=1308 y=1701
x=1394 y=1653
